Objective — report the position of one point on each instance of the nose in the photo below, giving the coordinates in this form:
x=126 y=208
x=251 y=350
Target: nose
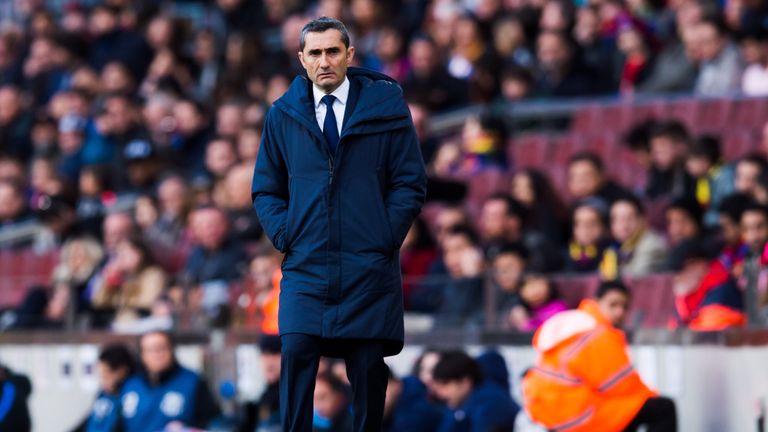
x=324 y=61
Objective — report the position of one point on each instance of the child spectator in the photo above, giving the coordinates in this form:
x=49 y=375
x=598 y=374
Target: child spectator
x=589 y=236
x=639 y=250
x=509 y=265
x=539 y=301
x=714 y=179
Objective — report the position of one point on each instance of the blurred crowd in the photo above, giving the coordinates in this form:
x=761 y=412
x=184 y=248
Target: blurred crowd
x=129 y=131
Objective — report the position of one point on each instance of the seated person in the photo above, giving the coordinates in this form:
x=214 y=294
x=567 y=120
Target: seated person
x=729 y=220
x=707 y=297
x=589 y=236
x=116 y=364
x=407 y=408
x=639 y=250
x=164 y=394
x=539 y=301
x=331 y=404
x=474 y=404
x=461 y=300
x=509 y=264
x=583 y=379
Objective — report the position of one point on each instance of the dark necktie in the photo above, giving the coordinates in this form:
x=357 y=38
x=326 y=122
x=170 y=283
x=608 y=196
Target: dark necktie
x=330 y=129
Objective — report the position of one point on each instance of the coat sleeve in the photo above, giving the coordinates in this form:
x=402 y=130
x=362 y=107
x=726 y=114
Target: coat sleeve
x=407 y=183
x=269 y=190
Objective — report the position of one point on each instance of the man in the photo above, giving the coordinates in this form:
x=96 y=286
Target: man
x=583 y=379
x=721 y=65
x=15 y=390
x=164 y=393
x=639 y=250
x=669 y=143
x=115 y=365
x=474 y=405
x=460 y=298
x=336 y=189
x=331 y=404
x=407 y=408
x=503 y=220
x=587 y=178
x=560 y=72
x=754 y=232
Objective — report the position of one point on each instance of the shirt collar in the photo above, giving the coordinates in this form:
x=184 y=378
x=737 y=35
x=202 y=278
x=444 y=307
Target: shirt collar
x=341 y=93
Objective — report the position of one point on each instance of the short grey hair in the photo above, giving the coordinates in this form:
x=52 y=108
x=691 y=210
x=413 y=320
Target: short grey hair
x=322 y=24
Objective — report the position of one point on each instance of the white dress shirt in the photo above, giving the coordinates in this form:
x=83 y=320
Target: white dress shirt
x=339 y=105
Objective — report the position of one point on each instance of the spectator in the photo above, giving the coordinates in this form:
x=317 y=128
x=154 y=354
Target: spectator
x=706 y=295
x=675 y=69
x=754 y=50
x=517 y=84
x=215 y=255
x=220 y=157
x=114 y=44
x=57 y=213
x=613 y=299
x=79 y=260
x=482 y=144
x=265 y=274
x=750 y=171
x=15 y=125
x=640 y=251
x=15 y=391
x=546 y=212
x=131 y=284
x=264 y=414
x=734 y=250
x=485 y=406
x=407 y=408
x=144 y=166
x=509 y=41
x=192 y=135
x=494 y=368
x=684 y=224
x=461 y=300
x=714 y=179
x=236 y=201
x=637 y=55
x=424 y=366
x=503 y=220
x=429 y=82
x=539 y=301
x=14 y=212
x=163 y=393
x=721 y=65
x=116 y=364
x=560 y=72
x=589 y=236
x=331 y=405
x=608 y=386
x=167 y=233
x=509 y=265
x=587 y=178
x=667 y=176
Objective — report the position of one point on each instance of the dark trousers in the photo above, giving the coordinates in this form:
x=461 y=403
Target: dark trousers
x=366 y=371
x=657 y=415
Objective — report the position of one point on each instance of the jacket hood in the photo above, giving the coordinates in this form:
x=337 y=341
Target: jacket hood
x=561 y=328
x=377 y=99
x=494 y=368
x=413 y=390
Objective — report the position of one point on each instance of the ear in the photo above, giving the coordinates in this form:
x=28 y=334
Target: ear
x=350 y=54
x=301 y=59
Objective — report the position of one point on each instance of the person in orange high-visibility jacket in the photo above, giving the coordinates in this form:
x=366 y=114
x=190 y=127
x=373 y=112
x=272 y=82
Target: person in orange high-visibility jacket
x=270 y=305
x=583 y=380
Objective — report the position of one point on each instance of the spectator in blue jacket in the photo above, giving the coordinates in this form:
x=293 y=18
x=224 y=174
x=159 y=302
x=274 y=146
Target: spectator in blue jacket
x=407 y=408
x=164 y=394
x=116 y=364
x=474 y=405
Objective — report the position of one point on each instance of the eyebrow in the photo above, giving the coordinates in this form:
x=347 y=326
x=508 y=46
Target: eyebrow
x=331 y=50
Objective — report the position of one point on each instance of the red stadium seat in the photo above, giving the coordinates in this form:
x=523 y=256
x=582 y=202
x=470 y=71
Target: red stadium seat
x=684 y=110
x=751 y=114
x=712 y=115
x=738 y=142
x=529 y=150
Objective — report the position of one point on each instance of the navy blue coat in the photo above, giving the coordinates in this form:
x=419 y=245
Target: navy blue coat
x=340 y=219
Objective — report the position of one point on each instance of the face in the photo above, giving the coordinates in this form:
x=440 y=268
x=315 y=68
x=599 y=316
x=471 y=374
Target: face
x=326 y=58
x=552 y=53
x=535 y=291
x=156 y=353
x=680 y=226
x=747 y=176
x=625 y=221
x=710 y=43
x=730 y=229
x=522 y=189
x=455 y=247
x=583 y=179
x=447 y=219
x=421 y=54
x=11 y=202
x=697 y=166
x=754 y=230
x=172 y=196
x=229 y=120
x=453 y=392
x=270 y=365
x=507 y=270
x=110 y=378
x=496 y=222
x=428 y=362
x=687 y=279
x=117 y=227
x=614 y=305
x=663 y=152
x=327 y=402
x=588 y=229
x=210 y=228
x=219 y=157
x=129 y=257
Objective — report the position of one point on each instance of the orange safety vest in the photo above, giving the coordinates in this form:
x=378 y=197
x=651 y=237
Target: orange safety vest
x=271 y=305
x=583 y=380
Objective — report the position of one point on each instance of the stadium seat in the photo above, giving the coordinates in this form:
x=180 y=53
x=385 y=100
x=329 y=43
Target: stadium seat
x=751 y=114
x=712 y=115
x=531 y=150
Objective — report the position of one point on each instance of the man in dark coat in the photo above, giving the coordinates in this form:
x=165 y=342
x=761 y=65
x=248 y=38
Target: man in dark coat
x=336 y=190
x=15 y=389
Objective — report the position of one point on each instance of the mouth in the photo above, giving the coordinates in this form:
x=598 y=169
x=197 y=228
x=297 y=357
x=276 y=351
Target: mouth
x=325 y=75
